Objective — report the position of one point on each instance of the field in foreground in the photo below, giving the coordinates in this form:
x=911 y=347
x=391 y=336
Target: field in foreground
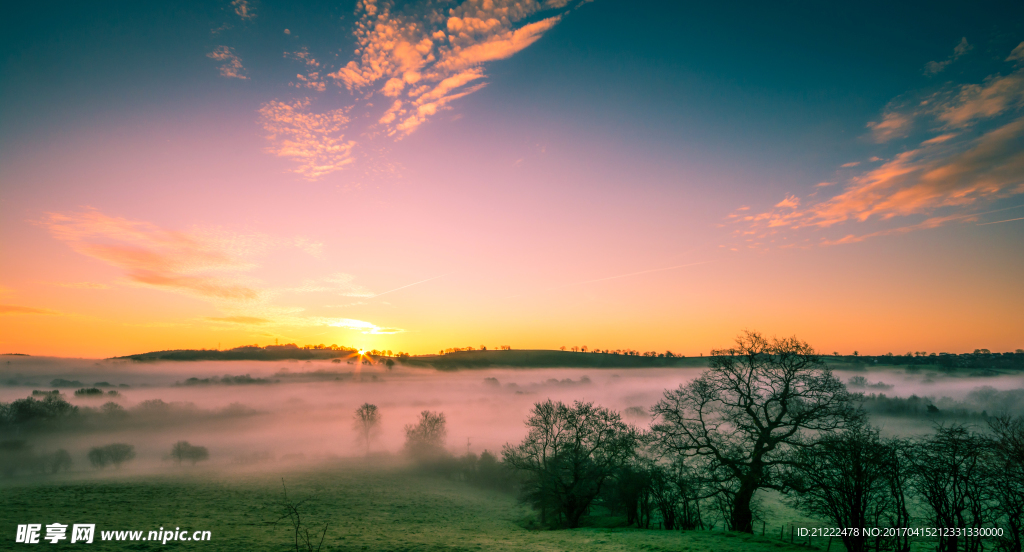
x=367 y=509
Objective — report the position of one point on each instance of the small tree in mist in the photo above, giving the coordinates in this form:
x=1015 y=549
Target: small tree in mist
x=743 y=418
x=183 y=451
x=425 y=440
x=14 y=455
x=852 y=479
x=568 y=456
x=367 y=424
x=54 y=462
x=114 y=454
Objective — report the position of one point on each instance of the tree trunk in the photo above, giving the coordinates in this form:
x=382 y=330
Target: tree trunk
x=742 y=516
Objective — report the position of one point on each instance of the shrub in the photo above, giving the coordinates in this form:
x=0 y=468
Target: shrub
x=115 y=453
x=184 y=451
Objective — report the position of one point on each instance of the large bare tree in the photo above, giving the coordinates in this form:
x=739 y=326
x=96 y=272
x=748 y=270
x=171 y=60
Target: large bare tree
x=742 y=418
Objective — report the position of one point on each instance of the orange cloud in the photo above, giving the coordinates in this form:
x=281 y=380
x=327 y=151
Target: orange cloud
x=426 y=56
x=950 y=171
x=315 y=140
x=893 y=125
x=915 y=183
x=313 y=78
x=232 y=64
x=243 y=10
x=151 y=256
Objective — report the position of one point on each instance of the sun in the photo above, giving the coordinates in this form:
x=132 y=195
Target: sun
x=362 y=352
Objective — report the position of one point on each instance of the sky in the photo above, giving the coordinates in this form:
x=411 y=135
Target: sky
x=415 y=176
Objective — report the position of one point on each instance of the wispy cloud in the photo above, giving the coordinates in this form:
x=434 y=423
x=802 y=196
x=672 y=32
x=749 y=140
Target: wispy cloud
x=410 y=63
x=426 y=56
x=975 y=155
x=314 y=140
x=83 y=285
x=313 y=248
x=243 y=9
x=193 y=263
x=313 y=78
x=1000 y=221
x=14 y=309
x=892 y=125
x=1017 y=54
x=247 y=320
x=231 y=65
x=359 y=325
x=935 y=67
x=339 y=284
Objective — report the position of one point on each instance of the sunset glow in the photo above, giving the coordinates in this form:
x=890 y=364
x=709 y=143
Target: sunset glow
x=407 y=177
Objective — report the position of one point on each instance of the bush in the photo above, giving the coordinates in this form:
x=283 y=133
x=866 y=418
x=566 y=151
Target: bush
x=14 y=455
x=424 y=442
x=115 y=453
x=184 y=451
x=90 y=392
x=55 y=461
x=113 y=410
x=23 y=411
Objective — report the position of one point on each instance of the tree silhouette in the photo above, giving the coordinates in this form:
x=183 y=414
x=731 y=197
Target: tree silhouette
x=852 y=479
x=948 y=475
x=568 y=455
x=747 y=413
x=367 y=424
x=184 y=451
x=425 y=440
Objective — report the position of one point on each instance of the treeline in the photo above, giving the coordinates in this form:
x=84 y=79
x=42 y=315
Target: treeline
x=18 y=455
x=244 y=379
x=980 y=359
x=470 y=357
x=52 y=413
x=980 y=404
x=288 y=351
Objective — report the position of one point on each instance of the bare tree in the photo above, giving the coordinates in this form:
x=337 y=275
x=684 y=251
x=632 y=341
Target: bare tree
x=948 y=471
x=568 y=455
x=741 y=420
x=1006 y=478
x=367 y=424
x=852 y=480
x=425 y=440
x=304 y=539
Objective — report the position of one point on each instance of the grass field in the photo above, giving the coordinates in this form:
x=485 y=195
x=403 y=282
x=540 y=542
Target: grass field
x=368 y=508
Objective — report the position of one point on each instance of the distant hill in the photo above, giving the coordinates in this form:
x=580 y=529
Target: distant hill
x=450 y=361
x=241 y=353
x=540 y=358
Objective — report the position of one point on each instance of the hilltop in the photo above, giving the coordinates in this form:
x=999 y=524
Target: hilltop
x=454 y=360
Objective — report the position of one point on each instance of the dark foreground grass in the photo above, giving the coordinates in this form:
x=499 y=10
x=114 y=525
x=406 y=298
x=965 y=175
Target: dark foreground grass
x=367 y=508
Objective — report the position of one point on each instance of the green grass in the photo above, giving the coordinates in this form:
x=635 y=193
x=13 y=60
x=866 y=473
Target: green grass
x=367 y=508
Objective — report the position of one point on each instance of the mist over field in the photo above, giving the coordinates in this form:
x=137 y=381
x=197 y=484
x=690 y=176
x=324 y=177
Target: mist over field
x=254 y=413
